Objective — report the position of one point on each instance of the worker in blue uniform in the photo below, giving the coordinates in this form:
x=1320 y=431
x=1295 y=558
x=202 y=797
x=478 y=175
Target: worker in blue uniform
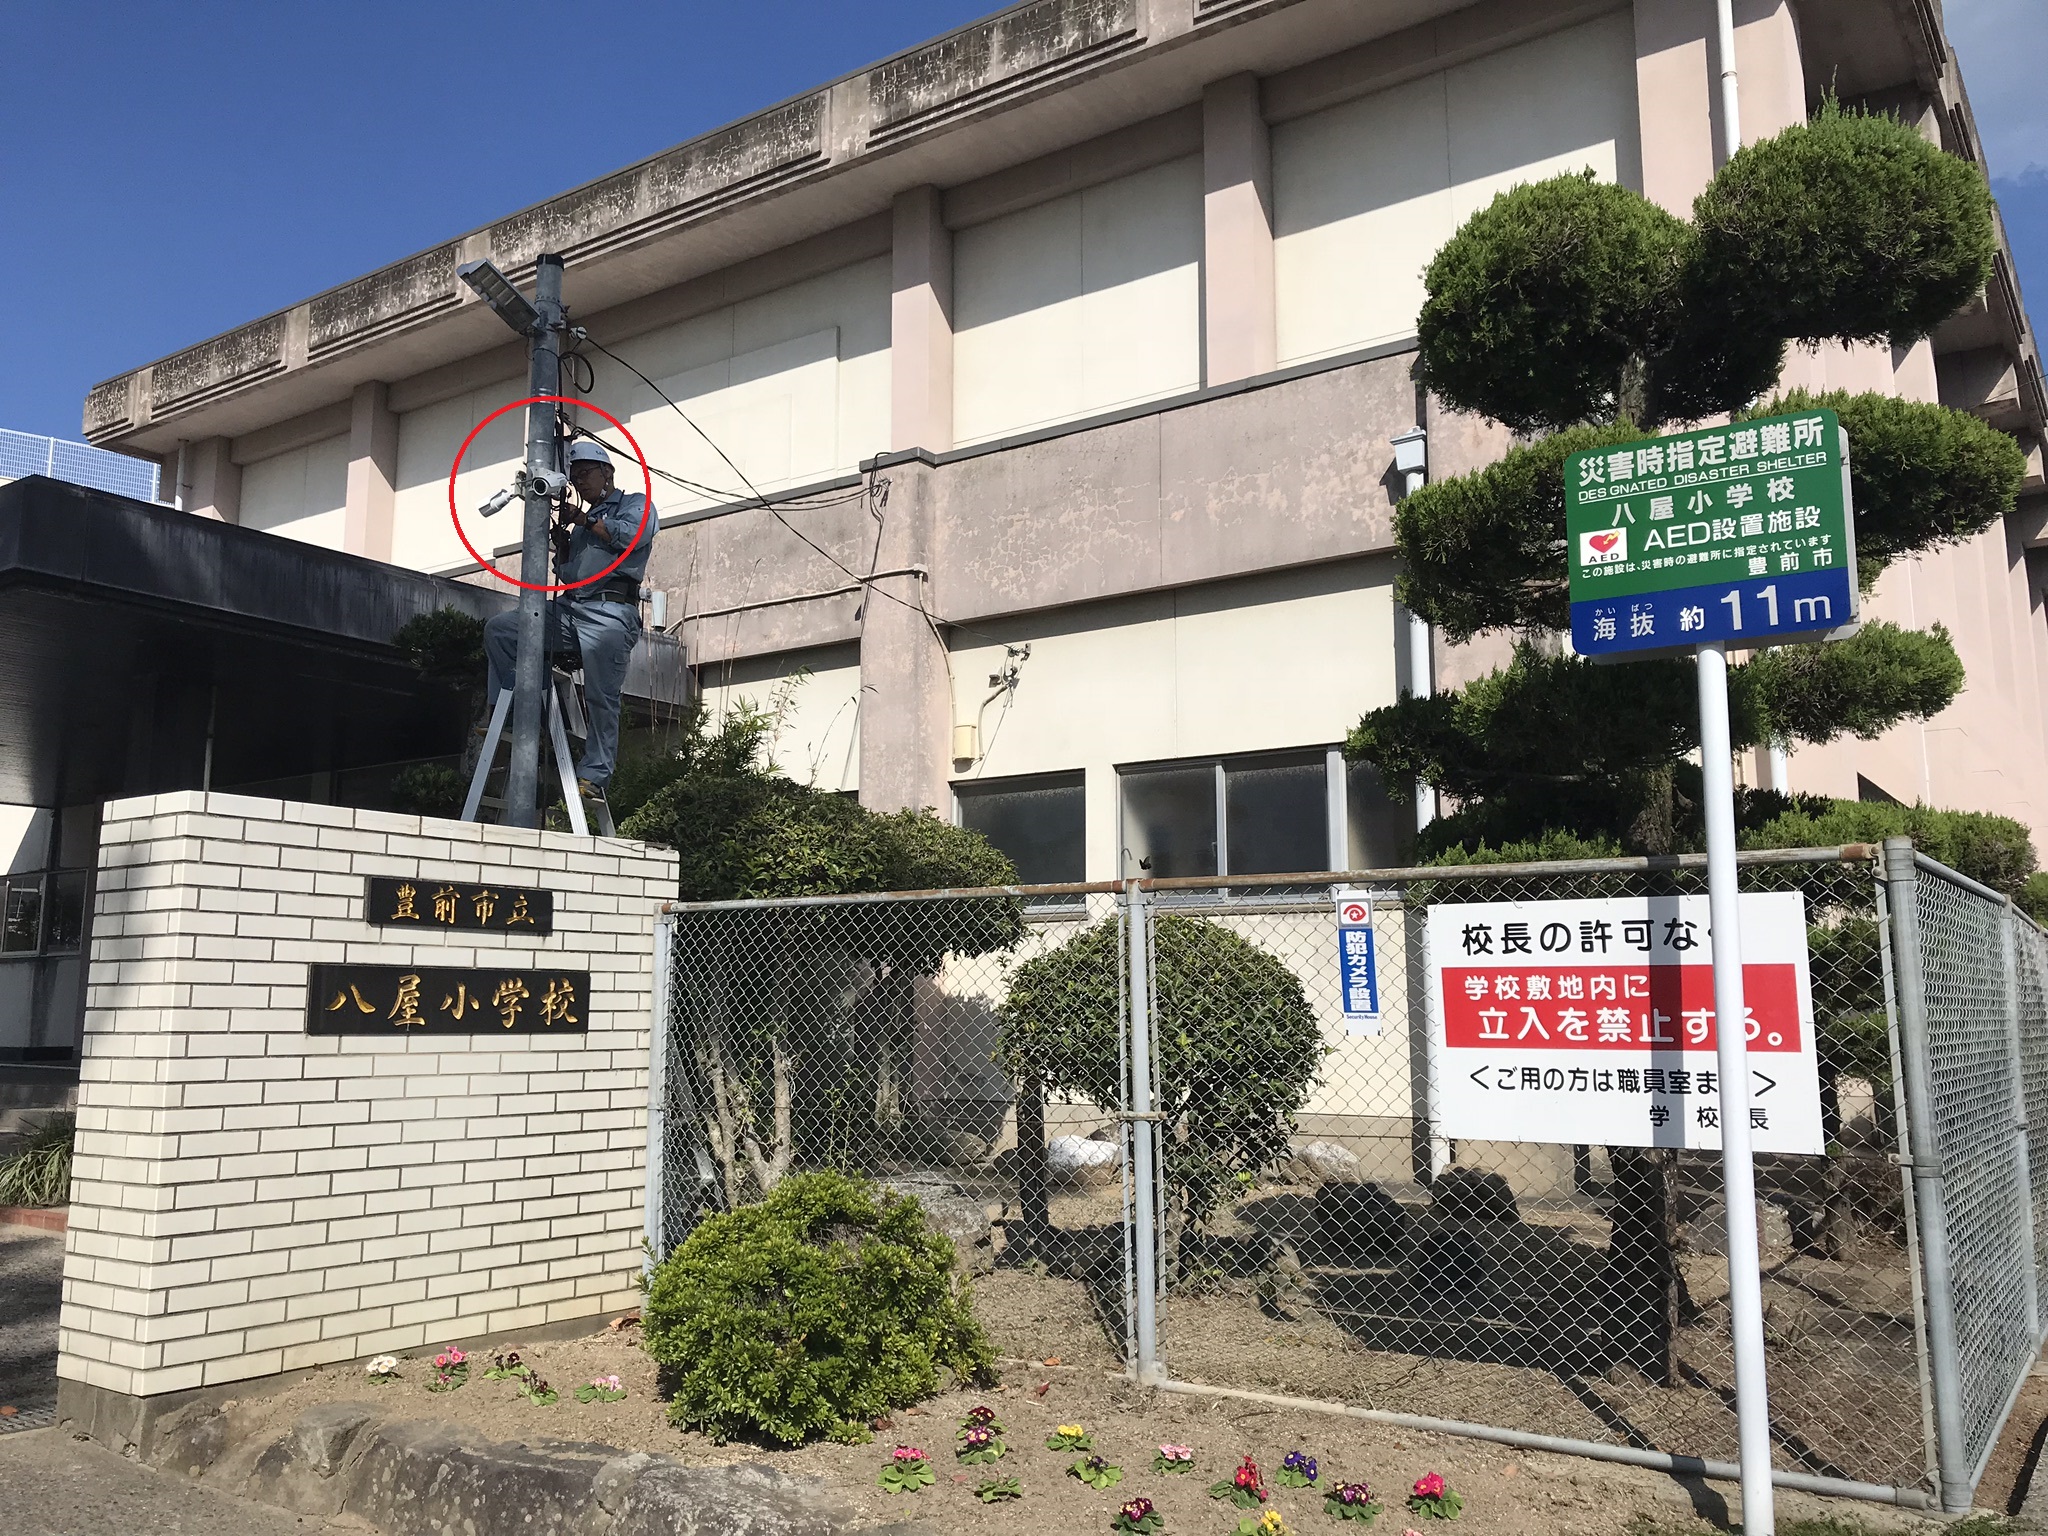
x=598 y=621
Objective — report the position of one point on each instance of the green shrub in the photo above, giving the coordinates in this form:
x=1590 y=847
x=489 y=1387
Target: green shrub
x=1993 y=850
x=38 y=1172
x=1486 y=550
x=1238 y=1045
x=429 y=789
x=446 y=645
x=819 y=1308
x=1920 y=475
x=1851 y=227
x=1538 y=303
x=2032 y=897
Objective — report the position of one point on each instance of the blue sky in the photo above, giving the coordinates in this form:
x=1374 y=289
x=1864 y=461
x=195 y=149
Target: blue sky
x=172 y=170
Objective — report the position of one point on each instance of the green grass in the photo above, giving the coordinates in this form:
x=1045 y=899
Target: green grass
x=38 y=1172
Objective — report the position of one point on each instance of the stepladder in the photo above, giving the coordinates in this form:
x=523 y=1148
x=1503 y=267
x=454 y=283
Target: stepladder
x=565 y=718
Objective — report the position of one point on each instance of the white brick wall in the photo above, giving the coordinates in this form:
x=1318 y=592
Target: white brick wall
x=247 y=1198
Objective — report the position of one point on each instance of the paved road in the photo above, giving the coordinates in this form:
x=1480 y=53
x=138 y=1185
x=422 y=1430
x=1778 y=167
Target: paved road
x=31 y=1277
x=52 y=1485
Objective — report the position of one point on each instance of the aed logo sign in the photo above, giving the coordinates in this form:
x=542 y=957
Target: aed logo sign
x=1609 y=547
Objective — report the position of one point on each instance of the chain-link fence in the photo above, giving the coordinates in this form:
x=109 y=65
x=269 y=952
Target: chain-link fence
x=1284 y=1197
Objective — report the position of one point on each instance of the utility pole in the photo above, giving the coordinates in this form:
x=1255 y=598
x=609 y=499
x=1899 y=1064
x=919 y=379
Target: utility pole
x=543 y=471
x=542 y=484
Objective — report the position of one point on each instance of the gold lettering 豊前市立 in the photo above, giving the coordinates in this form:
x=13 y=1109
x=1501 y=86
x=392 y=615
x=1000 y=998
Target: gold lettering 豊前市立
x=484 y=903
x=518 y=914
x=404 y=910
x=444 y=904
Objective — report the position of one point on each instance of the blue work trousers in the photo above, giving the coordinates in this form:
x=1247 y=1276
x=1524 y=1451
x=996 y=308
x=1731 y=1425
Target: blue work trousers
x=603 y=633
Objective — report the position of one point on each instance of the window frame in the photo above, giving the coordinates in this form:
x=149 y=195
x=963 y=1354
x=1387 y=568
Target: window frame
x=1336 y=804
x=1025 y=783
x=43 y=881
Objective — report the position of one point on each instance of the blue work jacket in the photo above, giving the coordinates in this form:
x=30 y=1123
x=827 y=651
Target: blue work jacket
x=590 y=552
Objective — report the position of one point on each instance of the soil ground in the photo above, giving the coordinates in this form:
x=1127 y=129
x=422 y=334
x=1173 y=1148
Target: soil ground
x=1033 y=1320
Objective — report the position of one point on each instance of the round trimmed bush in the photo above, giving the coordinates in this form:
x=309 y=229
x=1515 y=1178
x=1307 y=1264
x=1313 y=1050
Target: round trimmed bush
x=826 y=1304
x=1851 y=227
x=1538 y=303
x=1238 y=1045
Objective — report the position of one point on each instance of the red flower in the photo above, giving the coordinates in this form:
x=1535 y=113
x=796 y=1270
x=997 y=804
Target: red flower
x=1429 y=1486
x=1247 y=1478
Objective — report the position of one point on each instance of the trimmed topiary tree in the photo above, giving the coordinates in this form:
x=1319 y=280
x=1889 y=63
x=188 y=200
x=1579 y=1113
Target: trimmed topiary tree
x=1238 y=1048
x=810 y=1313
x=1584 y=311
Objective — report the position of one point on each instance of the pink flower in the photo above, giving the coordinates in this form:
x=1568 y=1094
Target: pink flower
x=1177 y=1452
x=907 y=1453
x=1429 y=1486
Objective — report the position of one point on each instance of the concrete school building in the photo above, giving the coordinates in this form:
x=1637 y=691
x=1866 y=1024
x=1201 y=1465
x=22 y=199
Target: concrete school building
x=1068 y=348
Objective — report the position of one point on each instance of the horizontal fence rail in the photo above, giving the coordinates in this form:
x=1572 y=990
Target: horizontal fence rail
x=1150 y=1097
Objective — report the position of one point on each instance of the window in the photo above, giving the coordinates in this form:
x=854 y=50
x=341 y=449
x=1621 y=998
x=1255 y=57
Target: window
x=42 y=914
x=1272 y=812
x=1040 y=822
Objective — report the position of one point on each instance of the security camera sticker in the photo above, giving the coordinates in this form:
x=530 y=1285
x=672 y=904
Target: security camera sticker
x=1604 y=546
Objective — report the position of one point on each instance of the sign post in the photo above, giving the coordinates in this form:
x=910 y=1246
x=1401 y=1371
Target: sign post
x=1739 y=533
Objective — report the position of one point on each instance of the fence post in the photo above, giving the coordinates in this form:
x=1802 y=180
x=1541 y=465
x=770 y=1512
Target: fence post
x=2022 y=1132
x=1902 y=881
x=1144 y=1201
x=657 y=1093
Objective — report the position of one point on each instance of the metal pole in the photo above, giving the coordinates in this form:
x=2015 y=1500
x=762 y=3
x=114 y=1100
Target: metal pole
x=1902 y=894
x=543 y=451
x=2021 y=1131
x=1731 y=1046
x=657 y=1094
x=1137 y=930
x=1421 y=674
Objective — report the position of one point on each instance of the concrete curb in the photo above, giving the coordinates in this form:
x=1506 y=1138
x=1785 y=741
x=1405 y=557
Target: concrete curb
x=425 y=1478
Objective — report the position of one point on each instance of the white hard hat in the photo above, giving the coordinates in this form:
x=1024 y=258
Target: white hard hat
x=583 y=451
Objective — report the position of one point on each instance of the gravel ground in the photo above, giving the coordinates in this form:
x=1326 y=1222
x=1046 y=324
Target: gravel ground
x=31 y=1282
x=1033 y=1321
x=57 y=1486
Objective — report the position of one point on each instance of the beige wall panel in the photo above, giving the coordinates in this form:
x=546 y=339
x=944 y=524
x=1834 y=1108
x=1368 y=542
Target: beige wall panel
x=817 y=694
x=301 y=494
x=1259 y=664
x=1082 y=304
x=1366 y=192
x=422 y=536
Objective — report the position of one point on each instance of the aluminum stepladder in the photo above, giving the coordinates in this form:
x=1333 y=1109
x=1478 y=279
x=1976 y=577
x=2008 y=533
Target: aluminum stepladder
x=564 y=718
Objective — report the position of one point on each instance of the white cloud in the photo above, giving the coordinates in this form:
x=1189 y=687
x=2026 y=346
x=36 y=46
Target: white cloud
x=2003 y=48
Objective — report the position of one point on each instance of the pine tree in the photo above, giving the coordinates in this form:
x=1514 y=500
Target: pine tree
x=1579 y=315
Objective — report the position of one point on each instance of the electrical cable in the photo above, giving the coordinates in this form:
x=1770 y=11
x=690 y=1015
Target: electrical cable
x=771 y=508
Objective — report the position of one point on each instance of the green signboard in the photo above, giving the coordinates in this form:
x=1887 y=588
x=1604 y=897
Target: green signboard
x=1737 y=533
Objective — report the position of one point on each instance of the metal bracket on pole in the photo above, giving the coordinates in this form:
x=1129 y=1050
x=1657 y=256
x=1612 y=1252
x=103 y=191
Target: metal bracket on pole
x=1930 y=1198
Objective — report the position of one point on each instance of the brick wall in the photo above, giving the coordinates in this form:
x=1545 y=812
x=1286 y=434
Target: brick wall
x=248 y=1199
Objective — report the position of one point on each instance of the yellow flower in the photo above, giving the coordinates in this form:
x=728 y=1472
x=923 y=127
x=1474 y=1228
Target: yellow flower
x=1069 y=1429
x=1270 y=1523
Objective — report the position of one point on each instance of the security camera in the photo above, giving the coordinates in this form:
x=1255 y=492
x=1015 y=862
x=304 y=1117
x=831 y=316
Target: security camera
x=552 y=484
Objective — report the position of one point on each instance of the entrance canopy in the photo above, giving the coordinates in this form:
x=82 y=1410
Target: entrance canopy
x=144 y=649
